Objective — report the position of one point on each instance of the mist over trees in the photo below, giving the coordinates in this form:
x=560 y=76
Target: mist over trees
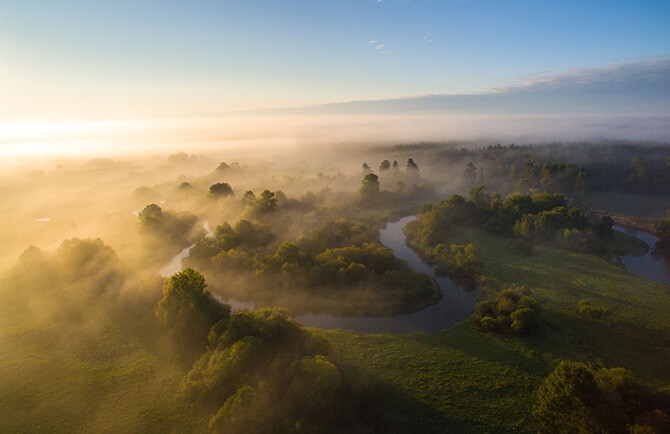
x=107 y=344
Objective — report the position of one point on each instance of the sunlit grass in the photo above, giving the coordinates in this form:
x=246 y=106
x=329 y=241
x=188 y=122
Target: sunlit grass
x=477 y=381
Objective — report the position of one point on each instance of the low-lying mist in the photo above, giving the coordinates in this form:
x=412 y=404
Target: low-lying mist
x=278 y=133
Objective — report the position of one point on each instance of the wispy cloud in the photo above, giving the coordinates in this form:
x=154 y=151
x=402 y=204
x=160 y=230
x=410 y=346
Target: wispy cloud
x=653 y=71
x=377 y=46
x=427 y=40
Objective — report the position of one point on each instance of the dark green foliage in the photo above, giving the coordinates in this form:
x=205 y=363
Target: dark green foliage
x=538 y=217
x=265 y=373
x=578 y=398
x=246 y=238
x=510 y=310
x=220 y=189
x=338 y=233
x=585 y=307
x=340 y=256
x=369 y=187
x=188 y=310
x=455 y=259
x=568 y=401
x=265 y=203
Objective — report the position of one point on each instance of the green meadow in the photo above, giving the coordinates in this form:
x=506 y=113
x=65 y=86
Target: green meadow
x=464 y=379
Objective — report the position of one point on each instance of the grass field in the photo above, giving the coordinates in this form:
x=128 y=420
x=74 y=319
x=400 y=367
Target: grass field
x=98 y=380
x=467 y=380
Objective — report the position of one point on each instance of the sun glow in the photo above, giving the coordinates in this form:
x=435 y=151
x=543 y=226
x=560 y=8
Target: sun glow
x=64 y=138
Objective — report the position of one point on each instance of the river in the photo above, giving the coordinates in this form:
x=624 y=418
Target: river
x=455 y=305
x=649 y=266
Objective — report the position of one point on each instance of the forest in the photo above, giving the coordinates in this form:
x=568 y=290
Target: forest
x=173 y=294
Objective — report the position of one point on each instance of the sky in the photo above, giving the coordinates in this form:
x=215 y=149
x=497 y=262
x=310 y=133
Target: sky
x=105 y=61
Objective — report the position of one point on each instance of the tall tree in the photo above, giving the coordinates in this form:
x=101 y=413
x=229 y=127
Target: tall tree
x=370 y=186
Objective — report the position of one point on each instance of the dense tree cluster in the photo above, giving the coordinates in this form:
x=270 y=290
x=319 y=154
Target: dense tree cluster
x=341 y=255
x=511 y=309
x=537 y=217
x=454 y=259
x=264 y=373
x=578 y=398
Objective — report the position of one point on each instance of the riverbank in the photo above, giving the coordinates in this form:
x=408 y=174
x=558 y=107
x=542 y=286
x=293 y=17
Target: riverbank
x=628 y=221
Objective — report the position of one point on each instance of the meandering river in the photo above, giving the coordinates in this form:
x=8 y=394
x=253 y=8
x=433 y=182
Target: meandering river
x=649 y=266
x=456 y=304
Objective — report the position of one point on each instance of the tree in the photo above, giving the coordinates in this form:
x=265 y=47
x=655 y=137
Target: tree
x=478 y=195
x=386 y=165
x=188 y=310
x=523 y=320
x=370 y=186
x=266 y=202
x=569 y=401
x=151 y=216
x=220 y=189
x=470 y=174
x=365 y=167
x=580 y=182
x=412 y=166
x=249 y=197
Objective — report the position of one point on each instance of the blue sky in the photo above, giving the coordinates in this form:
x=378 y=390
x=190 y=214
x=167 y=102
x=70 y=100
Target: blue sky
x=73 y=59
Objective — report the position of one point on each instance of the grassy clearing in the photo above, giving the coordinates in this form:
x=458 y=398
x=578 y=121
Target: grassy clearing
x=474 y=381
x=77 y=380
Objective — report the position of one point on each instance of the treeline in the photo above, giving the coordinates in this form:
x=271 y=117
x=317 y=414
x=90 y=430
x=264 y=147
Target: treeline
x=573 y=169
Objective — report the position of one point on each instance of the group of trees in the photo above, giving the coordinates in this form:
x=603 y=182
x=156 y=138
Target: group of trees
x=339 y=256
x=392 y=182
x=578 y=398
x=254 y=370
x=511 y=309
x=248 y=371
x=536 y=217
